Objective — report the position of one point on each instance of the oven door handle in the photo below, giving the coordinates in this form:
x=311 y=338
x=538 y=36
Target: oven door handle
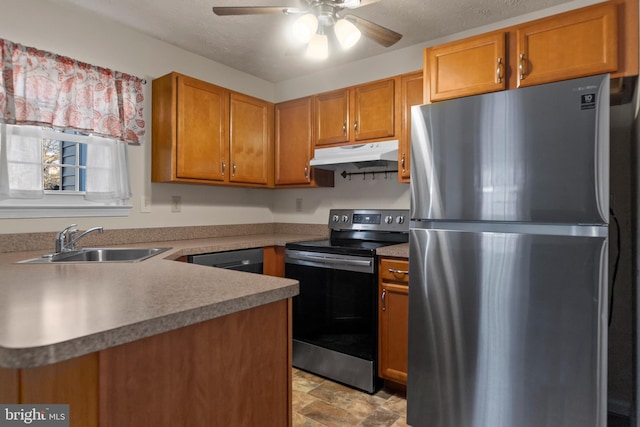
x=333 y=261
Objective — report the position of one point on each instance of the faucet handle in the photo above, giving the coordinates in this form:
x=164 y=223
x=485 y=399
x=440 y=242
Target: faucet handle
x=62 y=238
x=63 y=232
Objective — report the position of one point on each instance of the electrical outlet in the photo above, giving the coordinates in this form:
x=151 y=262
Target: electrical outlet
x=299 y=204
x=145 y=204
x=176 y=204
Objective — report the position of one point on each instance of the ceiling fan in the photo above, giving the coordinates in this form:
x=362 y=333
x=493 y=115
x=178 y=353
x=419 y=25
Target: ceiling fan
x=318 y=17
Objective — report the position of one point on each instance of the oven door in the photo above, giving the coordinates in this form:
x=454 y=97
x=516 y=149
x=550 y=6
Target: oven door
x=334 y=316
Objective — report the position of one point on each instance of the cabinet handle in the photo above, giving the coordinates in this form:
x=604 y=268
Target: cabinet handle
x=521 y=66
x=355 y=127
x=344 y=128
x=394 y=271
x=233 y=168
x=384 y=300
x=224 y=167
x=499 y=71
x=403 y=162
x=306 y=170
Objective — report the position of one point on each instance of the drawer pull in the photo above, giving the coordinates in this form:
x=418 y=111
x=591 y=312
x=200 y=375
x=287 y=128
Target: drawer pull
x=394 y=271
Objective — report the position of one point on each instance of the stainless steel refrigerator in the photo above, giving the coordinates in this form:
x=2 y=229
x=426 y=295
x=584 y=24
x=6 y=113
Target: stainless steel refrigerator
x=509 y=258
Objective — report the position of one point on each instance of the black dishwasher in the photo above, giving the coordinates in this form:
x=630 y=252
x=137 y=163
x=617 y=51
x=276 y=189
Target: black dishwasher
x=249 y=260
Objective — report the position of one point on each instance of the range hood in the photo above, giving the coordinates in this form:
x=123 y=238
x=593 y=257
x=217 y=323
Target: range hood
x=375 y=154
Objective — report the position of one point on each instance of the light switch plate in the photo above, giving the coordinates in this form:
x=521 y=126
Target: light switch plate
x=145 y=204
x=176 y=204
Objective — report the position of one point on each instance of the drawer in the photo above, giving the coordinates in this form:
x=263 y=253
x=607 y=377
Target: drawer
x=394 y=270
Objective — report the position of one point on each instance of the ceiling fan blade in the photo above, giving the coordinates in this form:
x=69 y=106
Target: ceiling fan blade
x=375 y=32
x=256 y=10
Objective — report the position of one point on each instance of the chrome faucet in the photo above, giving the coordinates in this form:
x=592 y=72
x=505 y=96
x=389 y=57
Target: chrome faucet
x=66 y=239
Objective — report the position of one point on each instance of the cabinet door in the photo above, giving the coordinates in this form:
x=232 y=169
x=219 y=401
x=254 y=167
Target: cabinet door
x=412 y=92
x=374 y=110
x=574 y=44
x=394 y=325
x=332 y=117
x=250 y=144
x=467 y=67
x=293 y=141
x=393 y=320
x=201 y=130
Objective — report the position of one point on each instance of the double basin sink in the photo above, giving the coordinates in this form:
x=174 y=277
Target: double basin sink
x=92 y=255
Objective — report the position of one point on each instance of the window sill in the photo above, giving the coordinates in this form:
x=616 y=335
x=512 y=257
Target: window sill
x=62 y=211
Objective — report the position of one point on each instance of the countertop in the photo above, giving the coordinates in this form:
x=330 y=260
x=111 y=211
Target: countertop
x=396 y=251
x=53 y=312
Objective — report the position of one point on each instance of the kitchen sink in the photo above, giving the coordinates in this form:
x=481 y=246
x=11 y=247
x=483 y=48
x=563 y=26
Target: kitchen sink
x=98 y=255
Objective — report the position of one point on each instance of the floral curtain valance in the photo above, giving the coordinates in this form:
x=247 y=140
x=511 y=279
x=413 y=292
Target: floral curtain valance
x=42 y=88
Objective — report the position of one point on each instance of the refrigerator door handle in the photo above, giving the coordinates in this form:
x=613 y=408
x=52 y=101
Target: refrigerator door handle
x=602 y=152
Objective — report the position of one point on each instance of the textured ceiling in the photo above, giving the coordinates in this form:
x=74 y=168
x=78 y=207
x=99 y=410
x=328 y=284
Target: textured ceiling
x=258 y=44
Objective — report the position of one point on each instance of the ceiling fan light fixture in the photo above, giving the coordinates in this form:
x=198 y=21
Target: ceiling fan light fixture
x=351 y=4
x=305 y=27
x=346 y=33
x=318 y=47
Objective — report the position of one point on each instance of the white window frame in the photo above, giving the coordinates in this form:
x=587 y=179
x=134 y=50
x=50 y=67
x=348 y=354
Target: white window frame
x=62 y=204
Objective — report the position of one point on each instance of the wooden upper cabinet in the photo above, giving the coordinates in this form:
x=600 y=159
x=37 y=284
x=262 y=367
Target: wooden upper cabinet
x=374 y=110
x=574 y=44
x=202 y=111
x=294 y=141
x=332 y=117
x=294 y=146
x=466 y=67
x=411 y=93
x=360 y=113
x=602 y=38
x=206 y=134
x=189 y=128
x=251 y=140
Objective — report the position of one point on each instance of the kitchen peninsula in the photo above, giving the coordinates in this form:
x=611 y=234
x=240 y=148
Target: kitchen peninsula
x=159 y=342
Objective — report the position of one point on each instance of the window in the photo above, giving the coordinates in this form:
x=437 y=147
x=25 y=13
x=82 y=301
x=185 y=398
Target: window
x=64 y=165
x=49 y=173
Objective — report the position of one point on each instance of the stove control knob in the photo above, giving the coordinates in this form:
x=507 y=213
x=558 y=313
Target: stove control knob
x=388 y=219
x=400 y=219
x=345 y=218
x=335 y=218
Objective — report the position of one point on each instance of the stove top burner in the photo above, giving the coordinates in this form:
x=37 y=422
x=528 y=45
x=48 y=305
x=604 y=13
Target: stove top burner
x=354 y=247
x=359 y=232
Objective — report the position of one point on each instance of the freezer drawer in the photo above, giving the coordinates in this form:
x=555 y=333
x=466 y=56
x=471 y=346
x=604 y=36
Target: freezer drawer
x=506 y=329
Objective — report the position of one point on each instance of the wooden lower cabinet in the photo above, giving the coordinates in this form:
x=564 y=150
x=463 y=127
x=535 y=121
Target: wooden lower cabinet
x=273 y=261
x=393 y=319
x=73 y=382
x=234 y=370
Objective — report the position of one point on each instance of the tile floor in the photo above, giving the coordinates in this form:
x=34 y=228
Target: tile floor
x=318 y=402
x=322 y=403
